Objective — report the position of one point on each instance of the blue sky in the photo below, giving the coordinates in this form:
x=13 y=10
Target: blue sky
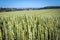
x=28 y=3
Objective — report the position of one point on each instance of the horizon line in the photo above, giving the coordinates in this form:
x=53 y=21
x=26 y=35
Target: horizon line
x=29 y=7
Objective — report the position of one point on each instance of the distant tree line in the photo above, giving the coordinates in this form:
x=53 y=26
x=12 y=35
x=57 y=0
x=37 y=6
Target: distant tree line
x=21 y=9
x=51 y=7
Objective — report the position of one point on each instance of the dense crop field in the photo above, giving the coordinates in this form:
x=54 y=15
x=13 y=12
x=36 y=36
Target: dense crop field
x=30 y=25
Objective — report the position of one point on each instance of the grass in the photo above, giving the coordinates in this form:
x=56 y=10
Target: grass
x=30 y=25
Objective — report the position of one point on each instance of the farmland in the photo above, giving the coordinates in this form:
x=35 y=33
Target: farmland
x=30 y=25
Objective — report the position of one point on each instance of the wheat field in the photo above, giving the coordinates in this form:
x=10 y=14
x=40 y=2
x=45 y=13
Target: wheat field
x=30 y=25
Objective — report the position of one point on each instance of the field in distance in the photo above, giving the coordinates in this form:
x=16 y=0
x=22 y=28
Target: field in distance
x=45 y=12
